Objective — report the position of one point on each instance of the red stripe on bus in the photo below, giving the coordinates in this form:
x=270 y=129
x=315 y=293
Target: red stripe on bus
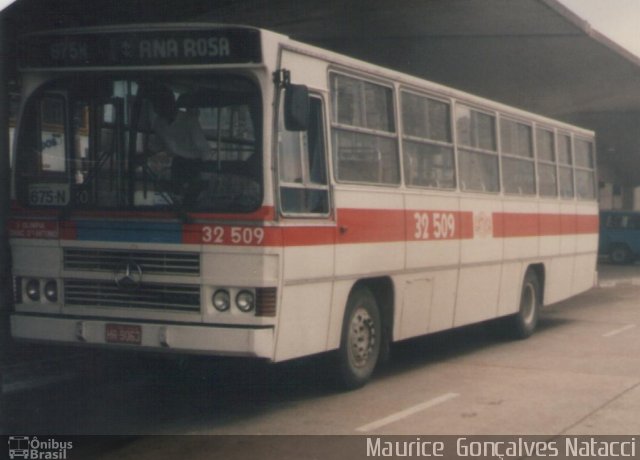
x=512 y=225
x=438 y=225
x=354 y=226
x=586 y=224
x=370 y=226
x=308 y=236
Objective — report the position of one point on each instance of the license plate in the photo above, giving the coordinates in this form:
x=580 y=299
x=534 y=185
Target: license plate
x=123 y=333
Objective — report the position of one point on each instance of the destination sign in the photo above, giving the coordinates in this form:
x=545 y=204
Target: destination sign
x=141 y=48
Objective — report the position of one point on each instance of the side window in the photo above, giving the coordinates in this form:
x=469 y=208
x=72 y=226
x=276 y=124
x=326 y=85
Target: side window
x=585 y=169
x=363 y=131
x=565 y=169
x=478 y=156
x=302 y=166
x=518 y=168
x=426 y=142
x=547 y=172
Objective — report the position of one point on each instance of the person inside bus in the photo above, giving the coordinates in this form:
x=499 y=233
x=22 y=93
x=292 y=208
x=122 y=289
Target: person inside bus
x=178 y=132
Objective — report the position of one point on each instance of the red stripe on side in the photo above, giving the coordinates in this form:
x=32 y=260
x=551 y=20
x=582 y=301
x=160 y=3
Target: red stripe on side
x=370 y=226
x=438 y=225
x=513 y=225
x=308 y=236
x=550 y=224
x=231 y=235
x=586 y=224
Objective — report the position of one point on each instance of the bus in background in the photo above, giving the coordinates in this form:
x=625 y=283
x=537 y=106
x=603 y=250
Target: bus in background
x=226 y=190
x=620 y=236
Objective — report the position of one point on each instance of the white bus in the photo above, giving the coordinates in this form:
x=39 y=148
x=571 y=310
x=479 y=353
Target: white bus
x=337 y=206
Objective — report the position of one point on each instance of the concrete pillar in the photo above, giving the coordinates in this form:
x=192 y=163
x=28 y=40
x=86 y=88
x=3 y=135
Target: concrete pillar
x=6 y=290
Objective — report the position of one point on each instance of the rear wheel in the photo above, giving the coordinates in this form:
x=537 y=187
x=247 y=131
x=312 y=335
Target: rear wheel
x=524 y=323
x=361 y=339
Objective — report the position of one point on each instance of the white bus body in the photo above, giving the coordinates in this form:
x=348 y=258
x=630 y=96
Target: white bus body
x=412 y=206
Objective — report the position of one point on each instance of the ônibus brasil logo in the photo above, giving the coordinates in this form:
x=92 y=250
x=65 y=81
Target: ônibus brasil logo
x=33 y=448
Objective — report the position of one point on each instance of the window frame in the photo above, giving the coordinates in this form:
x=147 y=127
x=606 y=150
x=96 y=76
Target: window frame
x=462 y=148
x=562 y=134
x=306 y=183
x=335 y=126
x=585 y=169
x=530 y=159
x=545 y=162
x=405 y=138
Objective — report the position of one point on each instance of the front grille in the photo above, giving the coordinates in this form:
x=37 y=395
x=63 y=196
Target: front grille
x=157 y=262
x=166 y=297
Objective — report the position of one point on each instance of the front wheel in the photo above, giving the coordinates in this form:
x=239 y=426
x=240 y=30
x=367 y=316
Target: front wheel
x=360 y=341
x=524 y=323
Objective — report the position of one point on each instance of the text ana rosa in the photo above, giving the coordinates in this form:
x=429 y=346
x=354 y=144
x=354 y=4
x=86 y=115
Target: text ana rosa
x=571 y=447
x=188 y=47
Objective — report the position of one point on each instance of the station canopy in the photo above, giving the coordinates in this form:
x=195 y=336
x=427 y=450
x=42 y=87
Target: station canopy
x=532 y=54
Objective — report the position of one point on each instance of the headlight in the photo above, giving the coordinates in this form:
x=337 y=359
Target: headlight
x=51 y=291
x=33 y=290
x=245 y=301
x=221 y=300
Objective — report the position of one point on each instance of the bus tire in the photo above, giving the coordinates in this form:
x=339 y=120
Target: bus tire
x=524 y=323
x=620 y=254
x=361 y=339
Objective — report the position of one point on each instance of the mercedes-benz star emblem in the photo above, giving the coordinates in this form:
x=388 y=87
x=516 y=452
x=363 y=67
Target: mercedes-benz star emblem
x=129 y=276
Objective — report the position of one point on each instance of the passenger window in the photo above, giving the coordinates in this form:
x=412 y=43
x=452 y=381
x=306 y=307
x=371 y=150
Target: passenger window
x=362 y=104
x=477 y=153
x=565 y=163
x=585 y=172
x=547 y=172
x=518 y=169
x=427 y=147
x=363 y=132
x=302 y=166
x=584 y=154
x=516 y=138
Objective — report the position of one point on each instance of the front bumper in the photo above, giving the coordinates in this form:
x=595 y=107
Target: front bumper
x=214 y=339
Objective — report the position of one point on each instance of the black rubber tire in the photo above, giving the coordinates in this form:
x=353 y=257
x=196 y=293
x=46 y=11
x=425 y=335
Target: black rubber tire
x=523 y=324
x=620 y=254
x=361 y=339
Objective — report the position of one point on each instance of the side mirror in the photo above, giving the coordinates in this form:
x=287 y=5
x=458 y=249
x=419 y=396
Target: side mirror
x=296 y=108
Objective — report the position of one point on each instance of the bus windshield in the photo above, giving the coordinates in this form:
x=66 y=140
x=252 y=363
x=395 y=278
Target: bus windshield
x=187 y=143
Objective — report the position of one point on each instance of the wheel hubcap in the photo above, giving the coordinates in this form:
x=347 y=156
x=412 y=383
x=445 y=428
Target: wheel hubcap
x=362 y=337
